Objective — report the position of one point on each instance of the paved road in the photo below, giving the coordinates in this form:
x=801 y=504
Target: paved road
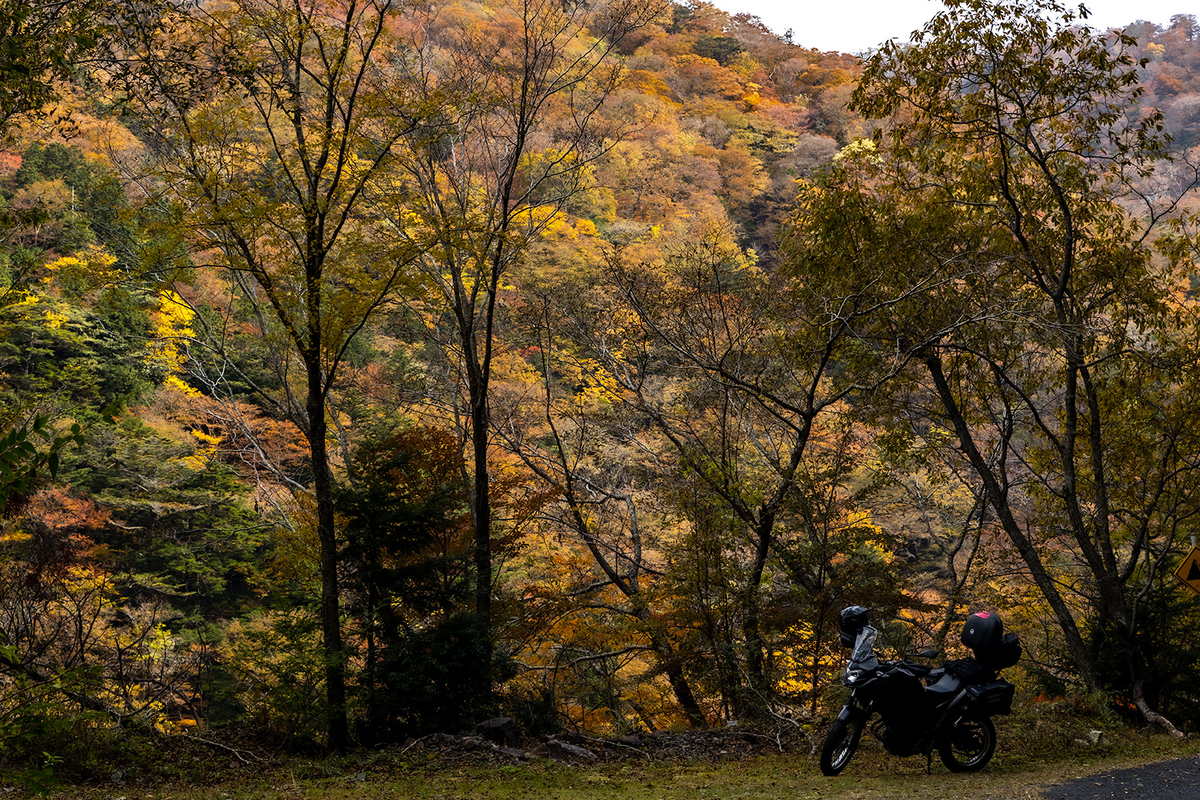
x=1170 y=780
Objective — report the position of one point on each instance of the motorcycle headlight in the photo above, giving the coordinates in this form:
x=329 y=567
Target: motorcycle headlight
x=852 y=675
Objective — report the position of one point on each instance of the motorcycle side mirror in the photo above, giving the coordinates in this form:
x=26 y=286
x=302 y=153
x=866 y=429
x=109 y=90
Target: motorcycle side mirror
x=928 y=653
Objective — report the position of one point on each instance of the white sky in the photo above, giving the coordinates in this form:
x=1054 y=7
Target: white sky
x=856 y=25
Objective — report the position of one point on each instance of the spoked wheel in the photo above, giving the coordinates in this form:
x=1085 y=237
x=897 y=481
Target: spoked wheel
x=968 y=747
x=840 y=744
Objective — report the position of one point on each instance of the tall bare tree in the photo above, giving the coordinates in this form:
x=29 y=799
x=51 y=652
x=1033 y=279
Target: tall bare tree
x=272 y=124
x=525 y=117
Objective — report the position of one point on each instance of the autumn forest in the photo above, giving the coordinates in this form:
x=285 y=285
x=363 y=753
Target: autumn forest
x=370 y=368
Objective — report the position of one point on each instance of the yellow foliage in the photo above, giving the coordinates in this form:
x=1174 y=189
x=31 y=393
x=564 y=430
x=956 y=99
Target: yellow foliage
x=24 y=299
x=55 y=320
x=204 y=455
x=858 y=150
x=561 y=226
x=545 y=218
x=87 y=270
x=751 y=99
x=206 y=438
x=510 y=368
x=171 y=328
x=796 y=661
x=174 y=382
x=595 y=383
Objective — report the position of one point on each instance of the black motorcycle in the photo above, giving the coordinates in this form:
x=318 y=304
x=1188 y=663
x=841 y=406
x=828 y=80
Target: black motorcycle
x=922 y=708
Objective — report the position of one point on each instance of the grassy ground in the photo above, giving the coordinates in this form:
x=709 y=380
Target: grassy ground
x=1021 y=769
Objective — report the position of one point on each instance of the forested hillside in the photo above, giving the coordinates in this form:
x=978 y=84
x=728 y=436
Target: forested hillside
x=371 y=368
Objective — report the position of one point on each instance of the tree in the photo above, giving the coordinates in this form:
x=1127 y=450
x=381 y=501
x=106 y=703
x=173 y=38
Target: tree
x=1050 y=337
x=570 y=441
x=274 y=122
x=63 y=631
x=40 y=43
x=407 y=552
x=698 y=378
x=1185 y=24
x=524 y=119
x=21 y=462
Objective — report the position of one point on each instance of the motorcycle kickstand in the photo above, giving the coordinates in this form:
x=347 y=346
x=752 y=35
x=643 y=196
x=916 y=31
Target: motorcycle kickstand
x=928 y=762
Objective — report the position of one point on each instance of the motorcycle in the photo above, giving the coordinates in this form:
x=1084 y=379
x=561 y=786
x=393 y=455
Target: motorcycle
x=921 y=708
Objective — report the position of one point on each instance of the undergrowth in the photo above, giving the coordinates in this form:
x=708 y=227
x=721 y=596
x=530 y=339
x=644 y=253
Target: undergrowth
x=1043 y=741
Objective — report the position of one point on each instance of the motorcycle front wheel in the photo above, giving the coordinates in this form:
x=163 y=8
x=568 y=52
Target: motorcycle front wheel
x=840 y=744
x=969 y=745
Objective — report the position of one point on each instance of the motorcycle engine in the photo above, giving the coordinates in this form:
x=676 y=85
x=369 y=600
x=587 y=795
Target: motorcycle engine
x=900 y=740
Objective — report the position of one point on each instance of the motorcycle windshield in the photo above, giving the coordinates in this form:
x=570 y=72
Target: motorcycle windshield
x=864 y=645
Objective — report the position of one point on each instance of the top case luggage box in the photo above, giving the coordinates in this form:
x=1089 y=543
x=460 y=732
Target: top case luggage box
x=1004 y=654
x=982 y=632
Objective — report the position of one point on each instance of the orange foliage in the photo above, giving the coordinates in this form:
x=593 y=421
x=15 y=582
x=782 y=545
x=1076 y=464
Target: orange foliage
x=646 y=82
x=247 y=438
x=58 y=509
x=695 y=75
x=9 y=163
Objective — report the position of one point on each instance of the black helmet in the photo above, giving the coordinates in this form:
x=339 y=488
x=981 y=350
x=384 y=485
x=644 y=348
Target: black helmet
x=851 y=621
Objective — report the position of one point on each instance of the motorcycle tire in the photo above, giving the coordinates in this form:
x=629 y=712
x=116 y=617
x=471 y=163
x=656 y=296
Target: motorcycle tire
x=840 y=744
x=969 y=746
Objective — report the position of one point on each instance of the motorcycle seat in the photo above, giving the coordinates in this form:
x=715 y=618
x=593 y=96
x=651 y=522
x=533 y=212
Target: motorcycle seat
x=944 y=688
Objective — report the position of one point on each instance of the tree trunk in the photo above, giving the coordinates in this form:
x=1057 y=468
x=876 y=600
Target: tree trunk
x=1150 y=715
x=757 y=688
x=481 y=504
x=331 y=625
x=998 y=499
x=682 y=690
x=481 y=509
x=674 y=671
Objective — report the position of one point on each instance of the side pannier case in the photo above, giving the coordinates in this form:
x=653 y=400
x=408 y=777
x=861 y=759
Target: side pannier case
x=994 y=697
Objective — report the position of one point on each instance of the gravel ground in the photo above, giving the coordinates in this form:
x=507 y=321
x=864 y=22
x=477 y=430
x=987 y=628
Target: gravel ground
x=1170 y=780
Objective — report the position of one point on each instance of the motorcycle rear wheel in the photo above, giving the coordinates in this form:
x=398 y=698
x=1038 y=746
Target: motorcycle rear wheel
x=969 y=745
x=840 y=744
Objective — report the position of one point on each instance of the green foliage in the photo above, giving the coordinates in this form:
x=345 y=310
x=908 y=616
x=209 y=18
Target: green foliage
x=705 y=443
x=1172 y=668
x=721 y=49
x=54 y=161
x=184 y=531
x=21 y=462
x=277 y=664
x=535 y=711
x=40 y=43
x=59 y=199
x=406 y=522
x=433 y=678
x=989 y=221
x=408 y=546
x=90 y=358
x=38 y=732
